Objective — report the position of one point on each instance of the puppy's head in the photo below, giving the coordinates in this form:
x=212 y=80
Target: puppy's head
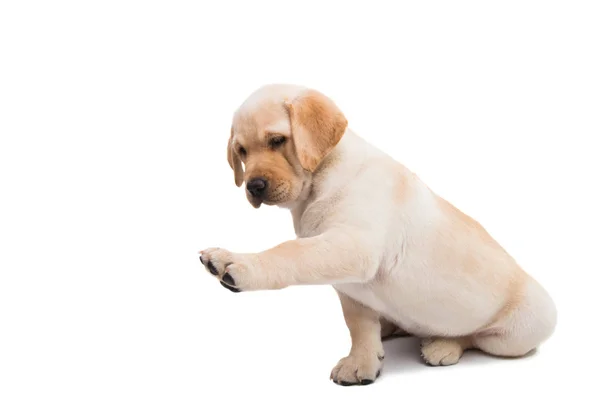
x=279 y=136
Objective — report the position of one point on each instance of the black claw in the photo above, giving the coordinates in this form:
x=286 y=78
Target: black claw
x=233 y=289
x=366 y=381
x=228 y=279
x=378 y=373
x=344 y=383
x=211 y=268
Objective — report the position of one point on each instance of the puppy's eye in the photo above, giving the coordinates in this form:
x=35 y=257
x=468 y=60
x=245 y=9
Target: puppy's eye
x=242 y=151
x=277 y=141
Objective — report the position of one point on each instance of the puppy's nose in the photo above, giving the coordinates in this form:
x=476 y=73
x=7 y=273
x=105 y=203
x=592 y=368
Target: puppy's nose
x=256 y=186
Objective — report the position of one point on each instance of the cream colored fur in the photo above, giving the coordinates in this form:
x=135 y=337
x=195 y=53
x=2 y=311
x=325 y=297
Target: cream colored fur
x=401 y=258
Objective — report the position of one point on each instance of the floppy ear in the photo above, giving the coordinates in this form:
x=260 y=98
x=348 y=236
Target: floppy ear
x=234 y=162
x=317 y=126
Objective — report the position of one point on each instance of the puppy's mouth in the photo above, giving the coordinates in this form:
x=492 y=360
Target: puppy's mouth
x=277 y=195
x=270 y=201
x=255 y=201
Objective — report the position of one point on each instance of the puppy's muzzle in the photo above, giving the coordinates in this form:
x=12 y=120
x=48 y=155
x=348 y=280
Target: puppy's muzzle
x=257 y=187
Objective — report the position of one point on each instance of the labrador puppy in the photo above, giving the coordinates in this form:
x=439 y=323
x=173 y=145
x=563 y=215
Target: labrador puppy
x=402 y=259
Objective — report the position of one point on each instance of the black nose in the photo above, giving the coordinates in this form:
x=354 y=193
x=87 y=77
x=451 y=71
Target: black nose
x=256 y=186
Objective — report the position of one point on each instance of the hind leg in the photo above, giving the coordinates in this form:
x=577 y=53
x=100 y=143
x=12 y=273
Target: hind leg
x=444 y=351
x=525 y=328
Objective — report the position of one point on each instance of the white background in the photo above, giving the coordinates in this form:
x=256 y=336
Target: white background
x=114 y=118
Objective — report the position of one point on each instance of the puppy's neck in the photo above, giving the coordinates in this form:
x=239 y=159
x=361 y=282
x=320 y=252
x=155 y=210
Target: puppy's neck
x=335 y=171
x=341 y=163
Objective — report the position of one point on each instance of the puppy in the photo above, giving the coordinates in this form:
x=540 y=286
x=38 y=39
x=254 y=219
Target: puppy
x=401 y=259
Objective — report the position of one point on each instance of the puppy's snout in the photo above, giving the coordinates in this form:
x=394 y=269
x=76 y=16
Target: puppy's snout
x=257 y=187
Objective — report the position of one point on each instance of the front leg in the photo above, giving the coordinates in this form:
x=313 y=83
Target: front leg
x=337 y=256
x=363 y=365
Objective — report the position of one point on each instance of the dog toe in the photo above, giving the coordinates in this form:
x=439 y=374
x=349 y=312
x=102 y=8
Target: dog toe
x=226 y=286
x=211 y=268
x=228 y=279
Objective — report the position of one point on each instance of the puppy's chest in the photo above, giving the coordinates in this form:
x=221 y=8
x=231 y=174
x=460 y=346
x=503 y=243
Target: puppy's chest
x=319 y=214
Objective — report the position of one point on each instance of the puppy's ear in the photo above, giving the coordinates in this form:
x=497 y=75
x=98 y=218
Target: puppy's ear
x=234 y=162
x=317 y=126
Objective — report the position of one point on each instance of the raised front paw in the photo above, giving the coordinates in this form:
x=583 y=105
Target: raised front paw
x=357 y=369
x=234 y=271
